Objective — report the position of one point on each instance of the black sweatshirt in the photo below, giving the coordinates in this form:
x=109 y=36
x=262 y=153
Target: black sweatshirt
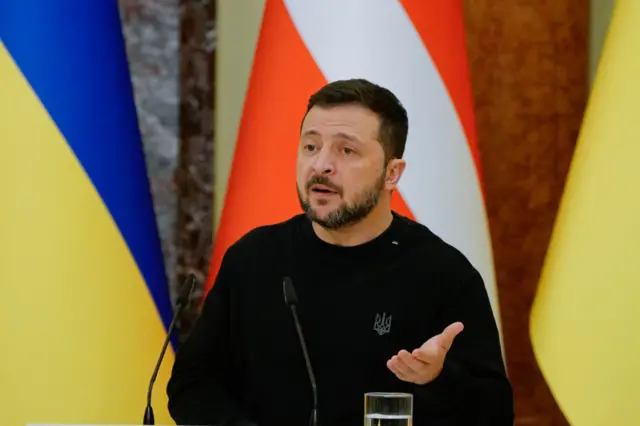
x=243 y=361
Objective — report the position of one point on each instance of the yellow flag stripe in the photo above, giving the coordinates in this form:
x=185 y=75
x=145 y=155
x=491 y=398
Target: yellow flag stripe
x=80 y=331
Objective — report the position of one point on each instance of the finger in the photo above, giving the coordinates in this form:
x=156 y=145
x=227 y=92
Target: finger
x=413 y=365
x=424 y=356
x=401 y=366
x=399 y=369
x=393 y=366
x=431 y=352
x=450 y=333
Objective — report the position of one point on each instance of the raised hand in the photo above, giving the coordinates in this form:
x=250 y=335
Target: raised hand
x=425 y=363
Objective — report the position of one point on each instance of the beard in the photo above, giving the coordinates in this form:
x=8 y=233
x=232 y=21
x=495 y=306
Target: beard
x=347 y=213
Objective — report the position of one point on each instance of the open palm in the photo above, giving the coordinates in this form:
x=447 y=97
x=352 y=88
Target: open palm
x=425 y=363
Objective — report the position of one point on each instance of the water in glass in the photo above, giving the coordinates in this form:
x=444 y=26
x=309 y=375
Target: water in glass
x=388 y=409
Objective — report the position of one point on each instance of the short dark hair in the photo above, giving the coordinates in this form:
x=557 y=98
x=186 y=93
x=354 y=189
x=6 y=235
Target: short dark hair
x=394 y=123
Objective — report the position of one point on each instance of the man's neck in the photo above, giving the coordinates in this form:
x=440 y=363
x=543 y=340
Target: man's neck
x=365 y=230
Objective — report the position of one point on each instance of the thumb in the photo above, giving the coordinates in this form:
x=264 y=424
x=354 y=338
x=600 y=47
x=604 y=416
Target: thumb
x=450 y=333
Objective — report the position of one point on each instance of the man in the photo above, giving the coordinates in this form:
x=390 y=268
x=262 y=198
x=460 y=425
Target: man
x=384 y=304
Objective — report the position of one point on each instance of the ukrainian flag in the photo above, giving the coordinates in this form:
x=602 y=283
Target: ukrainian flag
x=84 y=305
x=585 y=323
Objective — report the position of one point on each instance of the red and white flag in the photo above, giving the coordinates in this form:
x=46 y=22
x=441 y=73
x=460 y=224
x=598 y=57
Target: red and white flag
x=415 y=48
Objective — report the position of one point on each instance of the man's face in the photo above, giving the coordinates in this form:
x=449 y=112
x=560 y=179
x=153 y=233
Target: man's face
x=341 y=165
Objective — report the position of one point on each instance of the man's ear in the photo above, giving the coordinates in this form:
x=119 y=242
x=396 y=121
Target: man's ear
x=395 y=168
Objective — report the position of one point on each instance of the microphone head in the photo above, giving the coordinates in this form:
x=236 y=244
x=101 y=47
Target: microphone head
x=187 y=289
x=289 y=291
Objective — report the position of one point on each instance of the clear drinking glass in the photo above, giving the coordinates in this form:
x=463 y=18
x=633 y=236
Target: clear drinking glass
x=388 y=409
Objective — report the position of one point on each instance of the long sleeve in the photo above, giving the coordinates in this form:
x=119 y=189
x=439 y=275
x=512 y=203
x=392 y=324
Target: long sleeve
x=473 y=388
x=200 y=389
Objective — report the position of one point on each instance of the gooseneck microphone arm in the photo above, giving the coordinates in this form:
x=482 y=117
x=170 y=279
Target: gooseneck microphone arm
x=291 y=299
x=183 y=300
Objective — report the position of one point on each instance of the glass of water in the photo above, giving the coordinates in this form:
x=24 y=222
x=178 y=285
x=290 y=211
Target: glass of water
x=388 y=409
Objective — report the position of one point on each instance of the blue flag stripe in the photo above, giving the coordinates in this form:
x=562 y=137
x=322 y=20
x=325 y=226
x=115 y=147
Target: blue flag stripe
x=73 y=69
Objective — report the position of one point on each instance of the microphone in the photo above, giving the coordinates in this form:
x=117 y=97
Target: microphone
x=291 y=299
x=183 y=300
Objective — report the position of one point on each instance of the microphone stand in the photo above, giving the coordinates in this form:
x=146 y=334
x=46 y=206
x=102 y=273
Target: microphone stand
x=291 y=299
x=182 y=301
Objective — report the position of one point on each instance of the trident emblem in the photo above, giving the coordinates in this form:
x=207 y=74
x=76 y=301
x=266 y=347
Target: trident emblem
x=382 y=324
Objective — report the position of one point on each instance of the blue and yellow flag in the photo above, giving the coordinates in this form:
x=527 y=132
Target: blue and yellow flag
x=585 y=324
x=84 y=304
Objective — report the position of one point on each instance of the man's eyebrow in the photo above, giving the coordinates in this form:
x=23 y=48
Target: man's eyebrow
x=339 y=135
x=310 y=133
x=347 y=136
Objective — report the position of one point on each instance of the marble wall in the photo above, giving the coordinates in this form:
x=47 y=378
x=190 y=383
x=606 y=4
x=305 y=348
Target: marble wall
x=170 y=45
x=151 y=30
x=194 y=173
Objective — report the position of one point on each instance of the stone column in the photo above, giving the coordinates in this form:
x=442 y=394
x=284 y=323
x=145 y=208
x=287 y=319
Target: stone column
x=193 y=177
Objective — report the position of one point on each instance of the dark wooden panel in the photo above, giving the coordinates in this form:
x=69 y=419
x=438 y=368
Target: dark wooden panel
x=529 y=72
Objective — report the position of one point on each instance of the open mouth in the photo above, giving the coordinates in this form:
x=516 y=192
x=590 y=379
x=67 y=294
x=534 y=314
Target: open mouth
x=321 y=189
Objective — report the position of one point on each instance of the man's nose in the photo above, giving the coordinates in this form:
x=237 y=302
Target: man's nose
x=324 y=164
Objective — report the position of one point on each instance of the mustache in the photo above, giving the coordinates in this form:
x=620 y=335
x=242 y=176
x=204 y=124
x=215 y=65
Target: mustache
x=323 y=180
